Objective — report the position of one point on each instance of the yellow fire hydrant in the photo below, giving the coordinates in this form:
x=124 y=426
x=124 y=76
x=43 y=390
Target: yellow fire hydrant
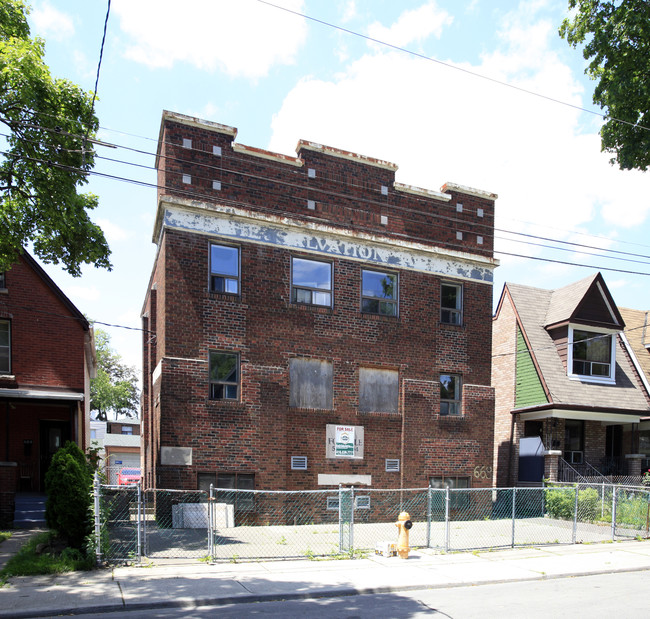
x=403 y=524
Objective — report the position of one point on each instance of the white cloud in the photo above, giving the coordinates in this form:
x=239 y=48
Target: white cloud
x=51 y=23
x=113 y=232
x=414 y=25
x=443 y=125
x=243 y=38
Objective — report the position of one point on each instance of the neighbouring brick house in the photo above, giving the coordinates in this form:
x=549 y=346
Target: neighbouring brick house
x=47 y=357
x=637 y=332
x=311 y=322
x=569 y=393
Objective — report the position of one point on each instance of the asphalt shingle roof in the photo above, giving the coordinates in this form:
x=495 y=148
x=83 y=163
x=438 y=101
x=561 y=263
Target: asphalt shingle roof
x=536 y=308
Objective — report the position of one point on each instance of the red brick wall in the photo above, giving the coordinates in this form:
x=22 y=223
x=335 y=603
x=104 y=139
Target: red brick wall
x=42 y=327
x=504 y=347
x=260 y=433
x=346 y=192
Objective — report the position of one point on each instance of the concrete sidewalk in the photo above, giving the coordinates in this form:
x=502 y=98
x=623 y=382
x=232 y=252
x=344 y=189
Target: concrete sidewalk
x=184 y=584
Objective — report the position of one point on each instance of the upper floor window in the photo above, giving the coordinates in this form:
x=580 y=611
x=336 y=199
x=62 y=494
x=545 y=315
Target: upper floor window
x=3 y=280
x=224 y=269
x=311 y=282
x=450 y=394
x=451 y=304
x=379 y=293
x=224 y=376
x=5 y=347
x=592 y=354
x=127 y=429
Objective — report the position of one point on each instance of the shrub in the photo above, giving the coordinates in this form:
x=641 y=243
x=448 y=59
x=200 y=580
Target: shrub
x=560 y=503
x=68 y=483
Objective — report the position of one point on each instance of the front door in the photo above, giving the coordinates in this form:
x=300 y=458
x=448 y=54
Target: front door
x=53 y=435
x=614 y=450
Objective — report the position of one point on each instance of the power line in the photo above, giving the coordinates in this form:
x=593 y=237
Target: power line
x=278 y=166
x=451 y=66
x=194 y=194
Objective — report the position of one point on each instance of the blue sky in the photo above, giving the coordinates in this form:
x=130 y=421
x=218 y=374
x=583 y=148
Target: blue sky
x=278 y=77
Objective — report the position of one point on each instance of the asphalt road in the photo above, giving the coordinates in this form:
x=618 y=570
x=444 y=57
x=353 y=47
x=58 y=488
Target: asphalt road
x=620 y=595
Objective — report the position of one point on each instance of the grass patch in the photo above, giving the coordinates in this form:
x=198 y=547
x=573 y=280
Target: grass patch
x=4 y=535
x=45 y=554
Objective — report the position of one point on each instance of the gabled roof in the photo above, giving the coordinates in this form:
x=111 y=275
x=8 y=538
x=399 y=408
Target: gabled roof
x=536 y=309
x=587 y=301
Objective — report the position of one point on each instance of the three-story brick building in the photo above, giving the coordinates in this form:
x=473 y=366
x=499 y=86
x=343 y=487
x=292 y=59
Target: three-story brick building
x=311 y=322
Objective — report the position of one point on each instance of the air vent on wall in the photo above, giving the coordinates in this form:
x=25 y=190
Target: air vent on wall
x=298 y=463
x=392 y=465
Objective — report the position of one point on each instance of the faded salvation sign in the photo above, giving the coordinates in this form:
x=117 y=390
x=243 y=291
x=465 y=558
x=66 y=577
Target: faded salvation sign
x=344 y=441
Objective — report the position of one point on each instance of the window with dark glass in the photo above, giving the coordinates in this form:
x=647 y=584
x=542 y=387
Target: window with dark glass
x=3 y=281
x=379 y=293
x=592 y=354
x=228 y=485
x=224 y=376
x=450 y=403
x=574 y=440
x=451 y=304
x=311 y=282
x=224 y=269
x=5 y=347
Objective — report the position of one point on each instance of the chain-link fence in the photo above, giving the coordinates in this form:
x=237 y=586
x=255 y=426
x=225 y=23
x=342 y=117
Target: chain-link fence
x=228 y=524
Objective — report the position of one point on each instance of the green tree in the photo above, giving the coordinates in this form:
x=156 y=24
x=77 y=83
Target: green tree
x=46 y=155
x=616 y=38
x=116 y=386
x=68 y=485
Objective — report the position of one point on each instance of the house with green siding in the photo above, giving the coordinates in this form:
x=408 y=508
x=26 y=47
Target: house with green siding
x=570 y=393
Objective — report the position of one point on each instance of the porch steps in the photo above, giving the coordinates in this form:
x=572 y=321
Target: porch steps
x=29 y=512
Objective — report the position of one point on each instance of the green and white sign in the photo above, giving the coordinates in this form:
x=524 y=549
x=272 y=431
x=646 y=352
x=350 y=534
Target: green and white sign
x=344 y=441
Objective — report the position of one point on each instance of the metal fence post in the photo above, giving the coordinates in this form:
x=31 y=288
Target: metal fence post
x=98 y=522
x=340 y=518
x=447 y=519
x=514 y=507
x=575 y=517
x=211 y=524
x=614 y=493
x=429 y=498
x=139 y=521
x=352 y=520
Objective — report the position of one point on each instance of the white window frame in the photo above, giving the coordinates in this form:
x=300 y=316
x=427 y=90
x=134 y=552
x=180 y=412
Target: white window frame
x=228 y=278
x=332 y=503
x=456 y=404
x=312 y=290
x=608 y=380
x=224 y=383
x=392 y=302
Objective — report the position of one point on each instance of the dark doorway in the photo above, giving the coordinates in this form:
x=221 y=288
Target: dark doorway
x=613 y=450
x=53 y=435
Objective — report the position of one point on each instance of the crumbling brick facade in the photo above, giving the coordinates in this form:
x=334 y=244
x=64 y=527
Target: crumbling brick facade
x=346 y=213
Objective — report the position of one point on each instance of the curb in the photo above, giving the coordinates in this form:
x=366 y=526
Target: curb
x=277 y=597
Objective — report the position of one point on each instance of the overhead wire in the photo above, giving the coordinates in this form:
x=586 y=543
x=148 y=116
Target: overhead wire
x=196 y=194
x=448 y=65
x=279 y=165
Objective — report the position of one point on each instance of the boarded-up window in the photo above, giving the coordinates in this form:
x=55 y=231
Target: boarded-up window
x=310 y=383
x=378 y=390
